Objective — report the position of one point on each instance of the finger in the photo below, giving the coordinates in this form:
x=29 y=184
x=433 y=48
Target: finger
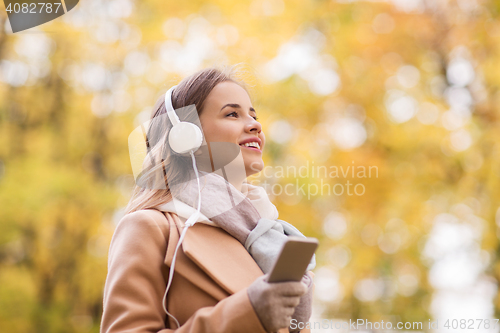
x=290 y=301
x=290 y=288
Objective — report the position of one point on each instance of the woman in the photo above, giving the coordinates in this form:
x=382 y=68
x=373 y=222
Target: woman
x=219 y=283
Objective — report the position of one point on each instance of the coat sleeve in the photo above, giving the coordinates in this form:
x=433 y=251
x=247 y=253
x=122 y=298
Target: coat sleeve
x=135 y=285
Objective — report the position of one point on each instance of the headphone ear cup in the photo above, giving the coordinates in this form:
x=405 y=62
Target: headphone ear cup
x=185 y=137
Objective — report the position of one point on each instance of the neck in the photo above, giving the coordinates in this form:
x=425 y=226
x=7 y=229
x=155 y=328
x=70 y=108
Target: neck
x=237 y=184
x=234 y=175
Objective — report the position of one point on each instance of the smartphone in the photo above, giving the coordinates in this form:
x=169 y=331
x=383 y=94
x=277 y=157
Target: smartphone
x=293 y=259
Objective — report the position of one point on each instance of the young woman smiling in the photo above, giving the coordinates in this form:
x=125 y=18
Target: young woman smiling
x=219 y=280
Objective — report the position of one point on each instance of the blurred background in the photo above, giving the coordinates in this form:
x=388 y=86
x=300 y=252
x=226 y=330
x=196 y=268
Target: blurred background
x=409 y=88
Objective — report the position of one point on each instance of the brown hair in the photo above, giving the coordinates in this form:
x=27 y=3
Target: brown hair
x=161 y=163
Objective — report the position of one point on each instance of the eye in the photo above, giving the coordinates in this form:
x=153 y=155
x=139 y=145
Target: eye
x=256 y=118
x=232 y=113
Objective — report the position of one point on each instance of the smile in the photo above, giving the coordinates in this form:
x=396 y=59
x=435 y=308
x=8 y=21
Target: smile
x=251 y=145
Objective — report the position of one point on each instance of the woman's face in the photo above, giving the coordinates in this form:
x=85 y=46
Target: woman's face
x=228 y=116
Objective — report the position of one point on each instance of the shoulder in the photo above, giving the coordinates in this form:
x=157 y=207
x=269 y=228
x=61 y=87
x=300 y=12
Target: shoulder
x=146 y=224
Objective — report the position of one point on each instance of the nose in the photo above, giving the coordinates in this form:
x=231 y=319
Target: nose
x=253 y=126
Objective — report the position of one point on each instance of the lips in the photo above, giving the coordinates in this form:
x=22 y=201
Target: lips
x=251 y=143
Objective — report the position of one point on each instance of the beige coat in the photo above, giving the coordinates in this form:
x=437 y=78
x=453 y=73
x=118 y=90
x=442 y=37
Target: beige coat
x=209 y=289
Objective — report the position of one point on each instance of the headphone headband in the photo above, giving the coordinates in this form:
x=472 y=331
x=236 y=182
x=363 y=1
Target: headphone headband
x=174 y=119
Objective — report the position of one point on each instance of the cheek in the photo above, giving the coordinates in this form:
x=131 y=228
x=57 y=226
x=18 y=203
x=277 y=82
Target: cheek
x=210 y=130
x=220 y=132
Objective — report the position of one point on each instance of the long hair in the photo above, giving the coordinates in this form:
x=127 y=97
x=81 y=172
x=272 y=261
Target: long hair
x=160 y=161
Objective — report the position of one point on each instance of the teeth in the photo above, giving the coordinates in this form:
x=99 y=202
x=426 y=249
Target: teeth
x=252 y=144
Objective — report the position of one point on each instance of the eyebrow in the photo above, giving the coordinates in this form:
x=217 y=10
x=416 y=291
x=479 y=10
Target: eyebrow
x=237 y=106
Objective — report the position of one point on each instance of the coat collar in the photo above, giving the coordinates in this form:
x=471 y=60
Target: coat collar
x=220 y=256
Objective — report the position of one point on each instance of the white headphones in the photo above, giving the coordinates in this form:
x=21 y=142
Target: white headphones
x=184 y=136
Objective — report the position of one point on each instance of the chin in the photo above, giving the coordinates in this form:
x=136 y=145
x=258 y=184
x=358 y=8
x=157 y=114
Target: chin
x=254 y=167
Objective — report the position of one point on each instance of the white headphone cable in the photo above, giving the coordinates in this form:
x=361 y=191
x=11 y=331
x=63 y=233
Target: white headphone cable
x=189 y=222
